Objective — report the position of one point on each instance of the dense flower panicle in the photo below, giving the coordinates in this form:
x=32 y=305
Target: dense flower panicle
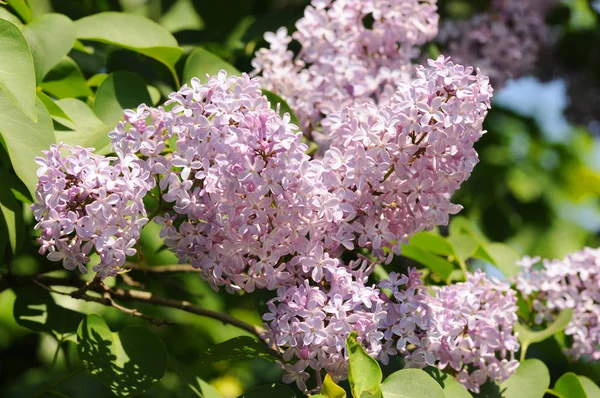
x=505 y=42
x=408 y=318
x=390 y=171
x=232 y=178
x=85 y=202
x=352 y=51
x=574 y=283
x=472 y=330
x=311 y=323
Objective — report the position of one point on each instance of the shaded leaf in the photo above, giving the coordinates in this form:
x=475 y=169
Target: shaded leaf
x=364 y=373
x=128 y=361
x=22 y=8
x=272 y=390
x=432 y=242
x=241 y=347
x=35 y=309
x=17 y=74
x=50 y=37
x=120 y=91
x=201 y=62
x=12 y=210
x=530 y=380
x=204 y=390
x=24 y=139
x=66 y=80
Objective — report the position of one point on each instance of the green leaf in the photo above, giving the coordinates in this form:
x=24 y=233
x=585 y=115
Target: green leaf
x=12 y=210
x=411 y=383
x=464 y=246
x=241 y=347
x=97 y=79
x=24 y=139
x=528 y=336
x=22 y=8
x=154 y=94
x=591 y=389
x=35 y=309
x=460 y=225
x=17 y=74
x=451 y=387
x=272 y=390
x=89 y=132
x=274 y=99
x=530 y=380
x=364 y=373
x=569 y=386
x=203 y=389
x=502 y=256
x=55 y=111
x=201 y=62
x=332 y=390
x=10 y=17
x=432 y=242
x=66 y=80
x=133 y=32
x=120 y=91
x=435 y=263
x=50 y=37
x=128 y=361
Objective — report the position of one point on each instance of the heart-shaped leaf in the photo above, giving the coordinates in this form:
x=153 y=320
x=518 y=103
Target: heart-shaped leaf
x=451 y=387
x=128 y=361
x=411 y=383
x=66 y=80
x=120 y=91
x=530 y=380
x=364 y=373
x=570 y=386
x=201 y=62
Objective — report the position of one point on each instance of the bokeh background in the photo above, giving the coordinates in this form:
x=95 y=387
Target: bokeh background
x=537 y=187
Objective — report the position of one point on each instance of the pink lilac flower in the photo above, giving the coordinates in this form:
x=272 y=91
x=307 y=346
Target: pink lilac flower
x=310 y=324
x=573 y=282
x=472 y=330
x=86 y=202
x=345 y=59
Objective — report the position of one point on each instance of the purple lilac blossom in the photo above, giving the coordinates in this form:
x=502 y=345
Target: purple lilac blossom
x=310 y=324
x=390 y=171
x=85 y=202
x=573 y=282
x=472 y=330
x=505 y=42
x=343 y=60
x=408 y=318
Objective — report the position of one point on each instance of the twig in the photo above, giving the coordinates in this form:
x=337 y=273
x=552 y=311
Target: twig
x=162 y=269
x=134 y=295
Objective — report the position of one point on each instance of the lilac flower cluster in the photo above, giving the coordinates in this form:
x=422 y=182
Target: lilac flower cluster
x=407 y=320
x=505 y=42
x=472 y=330
x=311 y=323
x=232 y=178
x=87 y=202
x=574 y=283
x=344 y=60
x=390 y=171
